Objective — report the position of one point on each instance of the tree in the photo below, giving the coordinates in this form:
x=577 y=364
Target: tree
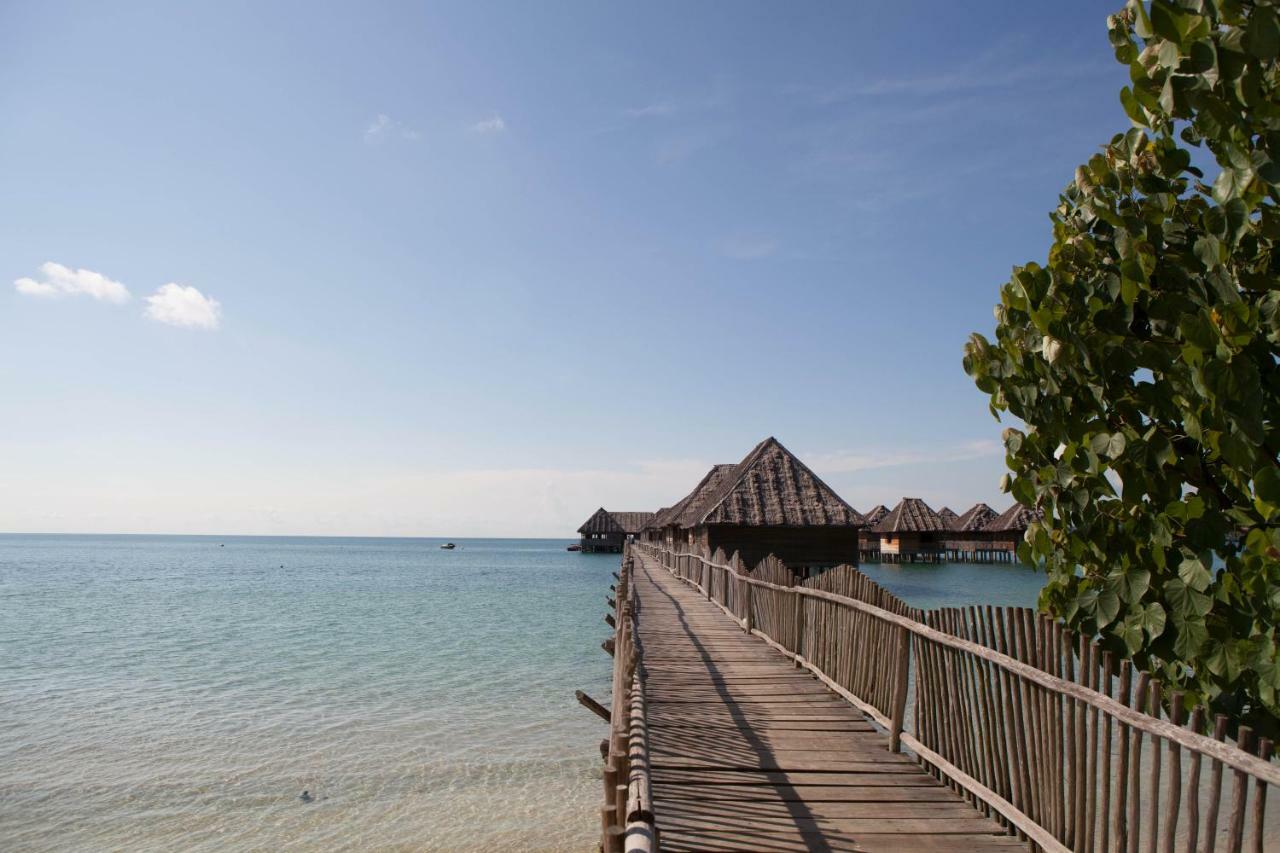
x=1142 y=360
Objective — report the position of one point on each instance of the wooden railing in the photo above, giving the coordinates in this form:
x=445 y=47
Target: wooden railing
x=1040 y=729
x=626 y=817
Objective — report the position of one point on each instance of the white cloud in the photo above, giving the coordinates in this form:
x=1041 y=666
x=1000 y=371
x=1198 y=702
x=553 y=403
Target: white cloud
x=57 y=280
x=657 y=109
x=183 y=306
x=384 y=126
x=493 y=124
x=748 y=248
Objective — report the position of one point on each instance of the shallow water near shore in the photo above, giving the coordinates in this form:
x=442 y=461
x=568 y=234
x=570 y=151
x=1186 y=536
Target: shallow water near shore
x=181 y=693
x=164 y=692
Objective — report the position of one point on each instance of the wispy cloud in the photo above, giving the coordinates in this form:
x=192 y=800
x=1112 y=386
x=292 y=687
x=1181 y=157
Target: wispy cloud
x=846 y=462
x=490 y=125
x=176 y=305
x=56 y=280
x=658 y=109
x=384 y=126
x=746 y=247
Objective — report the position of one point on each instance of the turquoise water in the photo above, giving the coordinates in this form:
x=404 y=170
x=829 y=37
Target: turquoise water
x=958 y=584
x=181 y=693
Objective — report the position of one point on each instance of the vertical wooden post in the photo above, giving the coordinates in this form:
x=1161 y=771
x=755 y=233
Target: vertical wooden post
x=900 y=689
x=799 y=604
x=748 y=621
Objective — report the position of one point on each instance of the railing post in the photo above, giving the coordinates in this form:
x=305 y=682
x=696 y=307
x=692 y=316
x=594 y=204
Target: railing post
x=748 y=621
x=899 y=709
x=799 y=605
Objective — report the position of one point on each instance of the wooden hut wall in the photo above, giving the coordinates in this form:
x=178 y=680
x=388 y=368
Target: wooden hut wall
x=796 y=546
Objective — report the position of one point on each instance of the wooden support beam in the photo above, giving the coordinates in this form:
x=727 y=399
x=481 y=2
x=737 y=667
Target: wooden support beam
x=607 y=645
x=593 y=706
x=608 y=617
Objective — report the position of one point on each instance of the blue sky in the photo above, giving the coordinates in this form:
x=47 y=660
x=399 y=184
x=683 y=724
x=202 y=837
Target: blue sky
x=475 y=269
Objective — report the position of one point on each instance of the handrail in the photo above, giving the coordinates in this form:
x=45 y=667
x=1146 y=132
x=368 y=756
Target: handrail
x=627 y=821
x=1217 y=750
x=1026 y=724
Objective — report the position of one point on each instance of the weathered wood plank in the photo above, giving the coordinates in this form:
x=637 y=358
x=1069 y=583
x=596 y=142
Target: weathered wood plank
x=747 y=752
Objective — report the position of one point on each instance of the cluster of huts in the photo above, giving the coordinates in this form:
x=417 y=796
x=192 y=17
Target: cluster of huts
x=771 y=503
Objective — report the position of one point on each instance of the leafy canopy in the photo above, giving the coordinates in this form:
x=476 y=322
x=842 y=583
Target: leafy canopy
x=1142 y=360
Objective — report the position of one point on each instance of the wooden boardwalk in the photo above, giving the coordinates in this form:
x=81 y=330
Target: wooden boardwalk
x=749 y=753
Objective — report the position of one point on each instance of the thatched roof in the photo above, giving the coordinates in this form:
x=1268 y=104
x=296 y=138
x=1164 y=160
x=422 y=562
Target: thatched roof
x=948 y=517
x=875 y=516
x=688 y=511
x=911 y=515
x=976 y=518
x=707 y=485
x=1014 y=519
x=656 y=520
x=632 y=522
x=603 y=521
x=771 y=488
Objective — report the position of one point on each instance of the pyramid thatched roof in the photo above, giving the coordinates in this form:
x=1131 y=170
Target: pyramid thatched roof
x=1015 y=519
x=707 y=485
x=975 y=518
x=875 y=516
x=911 y=515
x=947 y=516
x=603 y=521
x=632 y=522
x=771 y=488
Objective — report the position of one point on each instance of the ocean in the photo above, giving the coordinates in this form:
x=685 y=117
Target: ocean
x=181 y=692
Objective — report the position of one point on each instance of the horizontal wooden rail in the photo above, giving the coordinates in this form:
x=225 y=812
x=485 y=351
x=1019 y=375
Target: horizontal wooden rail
x=1206 y=746
x=627 y=820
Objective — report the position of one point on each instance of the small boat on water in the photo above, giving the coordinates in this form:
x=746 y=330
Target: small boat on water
x=448 y=546
x=574 y=548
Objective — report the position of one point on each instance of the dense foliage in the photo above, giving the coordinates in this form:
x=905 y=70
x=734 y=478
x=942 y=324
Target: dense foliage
x=1142 y=360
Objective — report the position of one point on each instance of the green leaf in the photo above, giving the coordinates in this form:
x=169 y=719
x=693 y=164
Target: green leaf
x=1115 y=446
x=1208 y=251
x=1266 y=484
x=1262 y=38
x=1107 y=607
x=1194 y=573
x=1153 y=620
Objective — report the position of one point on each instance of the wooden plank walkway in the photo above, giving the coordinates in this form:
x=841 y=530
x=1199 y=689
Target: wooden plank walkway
x=749 y=753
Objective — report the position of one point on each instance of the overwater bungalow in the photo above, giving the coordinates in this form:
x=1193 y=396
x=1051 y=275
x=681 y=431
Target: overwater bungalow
x=769 y=503
x=966 y=543
x=868 y=539
x=911 y=532
x=948 y=517
x=1005 y=531
x=605 y=531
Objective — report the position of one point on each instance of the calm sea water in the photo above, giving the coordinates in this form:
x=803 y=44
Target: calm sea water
x=179 y=693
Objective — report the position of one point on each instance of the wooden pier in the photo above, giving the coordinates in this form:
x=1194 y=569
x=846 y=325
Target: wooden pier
x=747 y=752
x=752 y=710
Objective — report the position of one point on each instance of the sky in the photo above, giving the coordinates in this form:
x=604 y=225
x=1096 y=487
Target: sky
x=475 y=269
